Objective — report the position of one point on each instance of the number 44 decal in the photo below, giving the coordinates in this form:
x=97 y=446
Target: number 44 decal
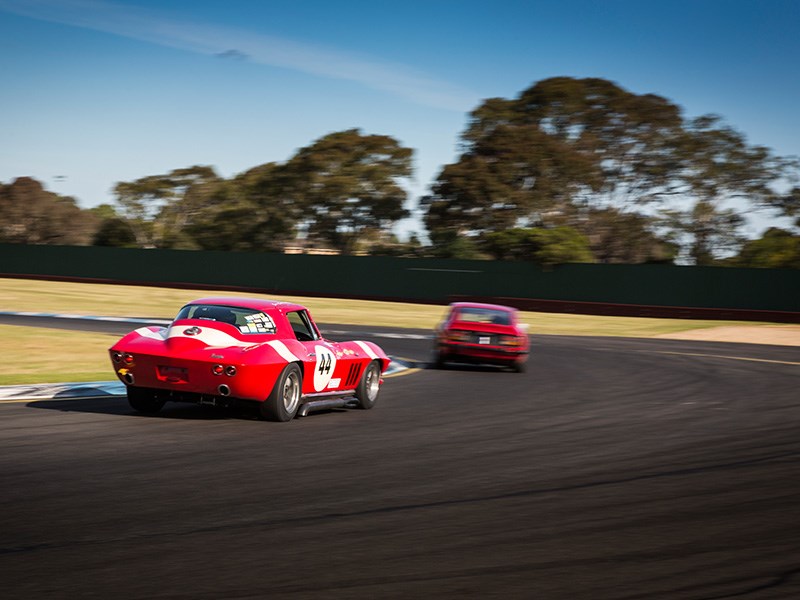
x=324 y=367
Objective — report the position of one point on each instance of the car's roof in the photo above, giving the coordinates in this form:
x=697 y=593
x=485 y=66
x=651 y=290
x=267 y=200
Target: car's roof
x=262 y=304
x=482 y=305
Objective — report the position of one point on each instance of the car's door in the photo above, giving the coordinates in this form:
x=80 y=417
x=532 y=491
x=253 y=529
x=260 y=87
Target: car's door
x=324 y=361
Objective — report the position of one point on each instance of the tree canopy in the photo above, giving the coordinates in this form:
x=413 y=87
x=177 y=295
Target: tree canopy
x=332 y=191
x=31 y=215
x=776 y=249
x=567 y=148
x=570 y=170
x=347 y=183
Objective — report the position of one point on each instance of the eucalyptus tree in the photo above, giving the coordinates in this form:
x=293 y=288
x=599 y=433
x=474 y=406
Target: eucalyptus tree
x=29 y=214
x=567 y=148
x=254 y=211
x=158 y=208
x=347 y=183
x=776 y=248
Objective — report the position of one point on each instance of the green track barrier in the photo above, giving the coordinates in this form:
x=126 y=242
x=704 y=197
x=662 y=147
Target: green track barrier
x=414 y=280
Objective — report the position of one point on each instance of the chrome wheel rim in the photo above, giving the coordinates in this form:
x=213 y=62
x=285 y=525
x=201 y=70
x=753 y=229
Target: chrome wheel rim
x=291 y=392
x=373 y=383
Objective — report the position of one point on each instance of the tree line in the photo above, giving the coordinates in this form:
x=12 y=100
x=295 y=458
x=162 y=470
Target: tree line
x=571 y=170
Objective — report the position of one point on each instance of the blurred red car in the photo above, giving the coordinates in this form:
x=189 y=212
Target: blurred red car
x=481 y=333
x=222 y=351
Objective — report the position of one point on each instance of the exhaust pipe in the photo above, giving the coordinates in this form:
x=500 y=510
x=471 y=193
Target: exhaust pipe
x=224 y=390
x=128 y=378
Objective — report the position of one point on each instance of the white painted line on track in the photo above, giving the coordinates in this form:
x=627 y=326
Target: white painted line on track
x=444 y=270
x=698 y=354
x=86 y=317
x=745 y=358
x=65 y=391
x=380 y=334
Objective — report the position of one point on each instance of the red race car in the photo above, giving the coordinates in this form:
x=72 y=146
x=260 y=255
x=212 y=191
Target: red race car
x=481 y=333
x=224 y=350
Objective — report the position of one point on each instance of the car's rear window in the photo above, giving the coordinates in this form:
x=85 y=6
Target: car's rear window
x=483 y=315
x=246 y=320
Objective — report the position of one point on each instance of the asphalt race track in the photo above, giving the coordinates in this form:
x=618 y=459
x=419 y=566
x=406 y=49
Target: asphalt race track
x=613 y=468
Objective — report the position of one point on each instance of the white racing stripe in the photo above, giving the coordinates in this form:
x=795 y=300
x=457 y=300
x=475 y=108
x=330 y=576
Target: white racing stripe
x=208 y=336
x=213 y=338
x=368 y=350
x=149 y=333
x=281 y=349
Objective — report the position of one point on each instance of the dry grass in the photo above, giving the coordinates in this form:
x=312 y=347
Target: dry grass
x=35 y=355
x=138 y=301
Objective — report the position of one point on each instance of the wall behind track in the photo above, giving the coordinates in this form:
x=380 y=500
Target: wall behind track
x=565 y=287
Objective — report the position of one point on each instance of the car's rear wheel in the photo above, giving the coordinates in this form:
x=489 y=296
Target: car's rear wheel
x=284 y=399
x=438 y=359
x=369 y=386
x=144 y=400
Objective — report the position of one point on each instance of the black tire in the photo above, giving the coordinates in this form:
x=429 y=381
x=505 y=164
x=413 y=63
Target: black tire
x=438 y=360
x=518 y=367
x=144 y=401
x=370 y=386
x=284 y=399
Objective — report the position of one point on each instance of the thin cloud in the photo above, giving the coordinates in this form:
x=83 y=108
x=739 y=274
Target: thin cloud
x=166 y=30
x=232 y=54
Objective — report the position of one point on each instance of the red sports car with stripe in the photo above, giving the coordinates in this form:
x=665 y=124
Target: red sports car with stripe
x=222 y=351
x=481 y=333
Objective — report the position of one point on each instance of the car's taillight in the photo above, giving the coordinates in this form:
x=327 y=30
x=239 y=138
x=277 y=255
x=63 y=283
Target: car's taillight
x=511 y=340
x=128 y=358
x=230 y=370
x=117 y=357
x=458 y=336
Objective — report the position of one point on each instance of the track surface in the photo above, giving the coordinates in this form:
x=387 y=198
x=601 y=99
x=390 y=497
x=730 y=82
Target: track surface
x=613 y=468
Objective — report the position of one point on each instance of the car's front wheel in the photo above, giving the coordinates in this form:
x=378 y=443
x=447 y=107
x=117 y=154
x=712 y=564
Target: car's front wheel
x=369 y=386
x=284 y=399
x=144 y=400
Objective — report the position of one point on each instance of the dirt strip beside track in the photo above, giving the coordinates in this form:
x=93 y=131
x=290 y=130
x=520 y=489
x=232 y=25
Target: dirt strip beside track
x=784 y=335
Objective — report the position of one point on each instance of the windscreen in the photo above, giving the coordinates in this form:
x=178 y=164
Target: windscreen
x=246 y=320
x=483 y=315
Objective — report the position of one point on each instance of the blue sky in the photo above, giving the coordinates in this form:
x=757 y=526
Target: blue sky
x=95 y=92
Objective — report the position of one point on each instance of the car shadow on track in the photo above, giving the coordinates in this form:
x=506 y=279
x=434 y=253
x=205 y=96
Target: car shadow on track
x=456 y=367
x=118 y=406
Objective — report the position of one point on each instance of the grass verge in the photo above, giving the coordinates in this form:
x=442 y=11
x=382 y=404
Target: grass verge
x=36 y=355
x=141 y=301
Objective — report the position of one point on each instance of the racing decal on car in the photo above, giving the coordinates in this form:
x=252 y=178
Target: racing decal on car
x=258 y=323
x=325 y=365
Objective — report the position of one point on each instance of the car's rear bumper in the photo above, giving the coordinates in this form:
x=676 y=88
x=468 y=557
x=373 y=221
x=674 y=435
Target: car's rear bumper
x=482 y=353
x=191 y=379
